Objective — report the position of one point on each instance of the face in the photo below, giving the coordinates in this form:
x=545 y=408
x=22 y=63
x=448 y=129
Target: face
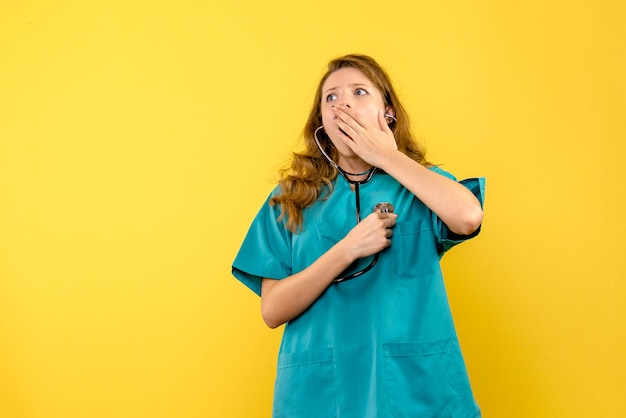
x=349 y=87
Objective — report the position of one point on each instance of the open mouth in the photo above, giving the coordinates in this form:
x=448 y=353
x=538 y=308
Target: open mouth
x=344 y=132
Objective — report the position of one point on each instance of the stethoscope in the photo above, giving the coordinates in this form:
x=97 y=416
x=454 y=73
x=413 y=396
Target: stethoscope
x=384 y=207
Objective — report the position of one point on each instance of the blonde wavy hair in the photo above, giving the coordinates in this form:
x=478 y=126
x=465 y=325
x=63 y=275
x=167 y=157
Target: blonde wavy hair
x=310 y=177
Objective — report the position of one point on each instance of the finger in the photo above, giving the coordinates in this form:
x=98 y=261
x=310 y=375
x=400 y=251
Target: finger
x=382 y=122
x=346 y=140
x=343 y=135
x=389 y=219
x=347 y=115
x=346 y=122
x=346 y=129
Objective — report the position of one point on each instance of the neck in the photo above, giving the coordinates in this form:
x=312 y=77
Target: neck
x=354 y=165
x=356 y=172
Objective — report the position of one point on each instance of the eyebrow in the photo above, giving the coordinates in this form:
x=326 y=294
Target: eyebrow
x=349 y=85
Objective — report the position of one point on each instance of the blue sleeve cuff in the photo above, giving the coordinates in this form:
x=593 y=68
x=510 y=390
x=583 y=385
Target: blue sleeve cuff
x=447 y=239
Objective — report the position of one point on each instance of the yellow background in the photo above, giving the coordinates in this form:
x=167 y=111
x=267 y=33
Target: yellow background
x=139 y=139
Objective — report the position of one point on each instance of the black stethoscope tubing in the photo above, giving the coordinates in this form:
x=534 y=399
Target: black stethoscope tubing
x=357 y=197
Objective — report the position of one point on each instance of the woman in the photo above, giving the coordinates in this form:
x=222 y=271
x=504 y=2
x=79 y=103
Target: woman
x=361 y=340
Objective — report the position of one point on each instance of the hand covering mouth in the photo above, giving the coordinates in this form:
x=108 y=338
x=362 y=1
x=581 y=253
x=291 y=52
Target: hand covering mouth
x=344 y=132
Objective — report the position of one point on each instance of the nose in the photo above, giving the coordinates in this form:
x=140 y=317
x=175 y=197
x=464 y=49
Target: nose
x=344 y=100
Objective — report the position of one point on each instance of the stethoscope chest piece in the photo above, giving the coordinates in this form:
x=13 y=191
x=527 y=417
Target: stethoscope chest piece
x=383 y=207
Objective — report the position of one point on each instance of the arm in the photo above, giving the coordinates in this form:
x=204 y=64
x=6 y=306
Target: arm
x=457 y=207
x=283 y=300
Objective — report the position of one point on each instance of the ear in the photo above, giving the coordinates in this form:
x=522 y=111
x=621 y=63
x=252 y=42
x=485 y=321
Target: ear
x=389 y=111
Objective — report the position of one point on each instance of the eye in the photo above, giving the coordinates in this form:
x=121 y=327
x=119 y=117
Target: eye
x=360 y=92
x=331 y=97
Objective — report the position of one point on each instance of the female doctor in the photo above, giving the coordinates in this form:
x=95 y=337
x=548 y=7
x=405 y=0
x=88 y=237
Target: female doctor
x=362 y=340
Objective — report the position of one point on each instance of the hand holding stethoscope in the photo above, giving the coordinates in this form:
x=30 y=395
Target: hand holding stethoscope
x=370 y=236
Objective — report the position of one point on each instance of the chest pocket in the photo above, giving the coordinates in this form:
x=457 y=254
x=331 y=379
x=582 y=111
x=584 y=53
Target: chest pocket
x=415 y=249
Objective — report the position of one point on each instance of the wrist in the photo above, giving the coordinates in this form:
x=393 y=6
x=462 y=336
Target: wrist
x=388 y=158
x=345 y=252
